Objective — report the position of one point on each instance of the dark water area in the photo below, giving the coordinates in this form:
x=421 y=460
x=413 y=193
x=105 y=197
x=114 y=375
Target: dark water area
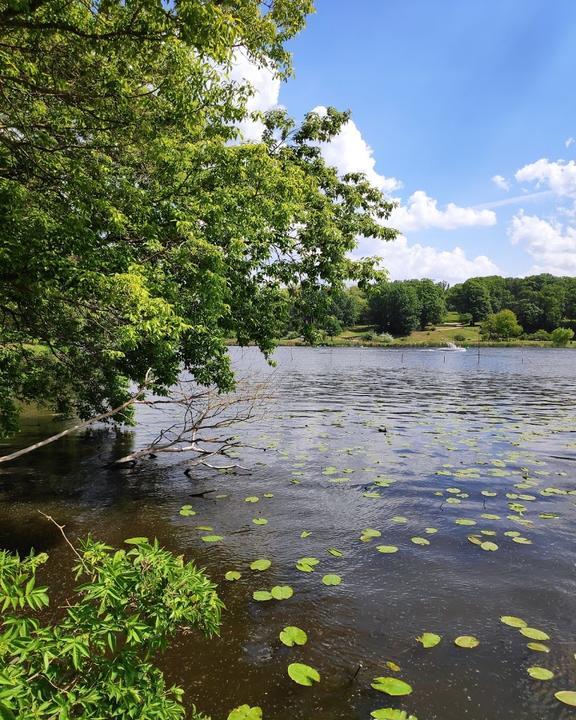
x=456 y=426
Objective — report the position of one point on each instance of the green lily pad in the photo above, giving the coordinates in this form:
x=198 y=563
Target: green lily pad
x=331 y=579
x=260 y=521
x=281 y=592
x=534 y=634
x=260 y=565
x=232 y=575
x=212 y=538
x=252 y=499
x=467 y=641
x=512 y=621
x=245 y=712
x=303 y=674
x=261 y=595
x=186 y=511
x=391 y=686
x=568 y=697
x=391 y=714
x=420 y=541
x=387 y=549
x=335 y=552
x=538 y=647
x=305 y=534
x=429 y=640
x=369 y=533
x=489 y=546
x=292 y=635
x=540 y=673
x=400 y=519
x=465 y=521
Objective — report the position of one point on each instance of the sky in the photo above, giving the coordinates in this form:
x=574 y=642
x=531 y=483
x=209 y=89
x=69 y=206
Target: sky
x=463 y=112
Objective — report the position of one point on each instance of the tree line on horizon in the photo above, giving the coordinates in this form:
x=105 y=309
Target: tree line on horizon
x=531 y=307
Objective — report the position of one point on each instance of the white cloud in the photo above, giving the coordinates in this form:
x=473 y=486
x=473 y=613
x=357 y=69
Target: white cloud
x=266 y=89
x=349 y=152
x=551 y=244
x=559 y=176
x=569 y=141
x=501 y=182
x=406 y=261
x=422 y=212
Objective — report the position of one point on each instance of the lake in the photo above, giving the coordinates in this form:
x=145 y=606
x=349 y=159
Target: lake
x=424 y=447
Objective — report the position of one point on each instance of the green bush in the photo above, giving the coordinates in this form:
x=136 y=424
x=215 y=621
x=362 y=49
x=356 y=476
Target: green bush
x=459 y=338
x=96 y=661
x=561 y=336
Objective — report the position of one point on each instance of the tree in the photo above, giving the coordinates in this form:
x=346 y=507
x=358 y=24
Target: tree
x=138 y=231
x=474 y=298
x=96 y=661
x=561 y=336
x=502 y=325
x=395 y=307
x=431 y=300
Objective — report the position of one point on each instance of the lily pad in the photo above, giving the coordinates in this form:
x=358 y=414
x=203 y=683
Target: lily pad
x=391 y=686
x=429 y=640
x=232 y=575
x=303 y=674
x=305 y=534
x=387 y=549
x=420 y=541
x=260 y=521
x=568 y=697
x=186 y=511
x=534 y=634
x=465 y=521
x=538 y=647
x=467 y=641
x=331 y=579
x=281 y=592
x=513 y=621
x=245 y=712
x=369 y=533
x=261 y=595
x=260 y=565
x=212 y=538
x=391 y=714
x=251 y=499
x=540 y=673
x=292 y=635
x=335 y=552
x=489 y=546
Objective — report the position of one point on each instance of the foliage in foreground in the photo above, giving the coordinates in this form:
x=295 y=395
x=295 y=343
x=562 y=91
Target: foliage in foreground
x=138 y=230
x=96 y=661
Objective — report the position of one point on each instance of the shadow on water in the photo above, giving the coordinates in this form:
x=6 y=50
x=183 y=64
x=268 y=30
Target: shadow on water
x=421 y=429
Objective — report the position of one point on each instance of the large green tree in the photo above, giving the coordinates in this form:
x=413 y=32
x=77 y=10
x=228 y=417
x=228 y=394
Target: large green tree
x=137 y=231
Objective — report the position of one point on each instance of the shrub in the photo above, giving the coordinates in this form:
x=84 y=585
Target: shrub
x=561 y=336
x=96 y=661
x=539 y=335
x=386 y=338
x=459 y=338
x=369 y=336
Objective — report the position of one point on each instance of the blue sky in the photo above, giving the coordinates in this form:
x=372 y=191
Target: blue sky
x=447 y=95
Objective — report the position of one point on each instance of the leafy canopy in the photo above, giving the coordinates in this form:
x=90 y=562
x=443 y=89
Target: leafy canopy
x=96 y=661
x=137 y=230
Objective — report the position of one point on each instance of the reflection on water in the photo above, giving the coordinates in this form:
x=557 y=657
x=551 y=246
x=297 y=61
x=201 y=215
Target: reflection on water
x=338 y=421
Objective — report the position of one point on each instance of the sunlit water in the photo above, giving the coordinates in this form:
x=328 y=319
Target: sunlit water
x=452 y=420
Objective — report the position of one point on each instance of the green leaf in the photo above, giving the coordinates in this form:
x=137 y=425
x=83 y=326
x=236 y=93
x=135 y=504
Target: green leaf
x=513 y=621
x=292 y=635
x=538 y=647
x=335 y=552
x=534 y=634
x=540 y=673
x=489 y=546
x=420 y=541
x=467 y=641
x=331 y=579
x=245 y=712
x=429 y=640
x=232 y=575
x=281 y=592
x=391 y=714
x=391 y=686
x=212 y=538
x=260 y=521
x=369 y=533
x=137 y=541
x=262 y=595
x=387 y=549
x=260 y=565
x=303 y=674
x=568 y=697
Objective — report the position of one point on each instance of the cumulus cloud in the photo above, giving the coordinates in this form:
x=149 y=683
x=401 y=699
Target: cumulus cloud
x=501 y=182
x=266 y=91
x=551 y=244
x=349 y=152
x=559 y=176
x=422 y=212
x=405 y=261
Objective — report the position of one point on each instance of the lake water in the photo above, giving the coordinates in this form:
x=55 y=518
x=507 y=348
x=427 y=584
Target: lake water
x=457 y=425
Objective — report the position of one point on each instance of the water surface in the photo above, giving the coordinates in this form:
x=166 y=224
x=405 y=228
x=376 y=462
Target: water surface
x=337 y=421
